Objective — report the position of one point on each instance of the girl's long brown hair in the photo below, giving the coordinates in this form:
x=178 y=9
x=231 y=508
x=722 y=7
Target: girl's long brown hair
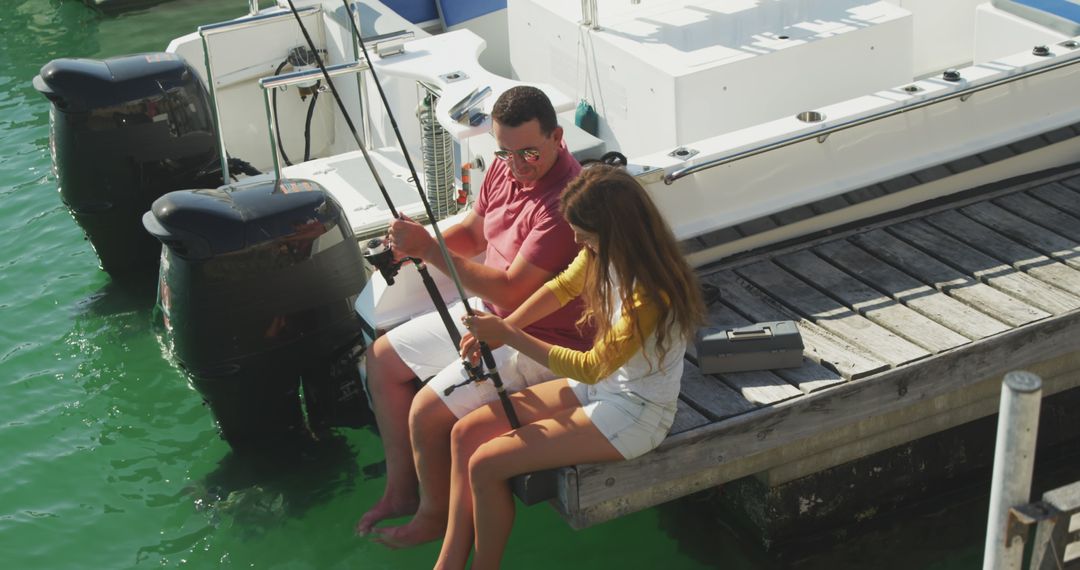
x=636 y=243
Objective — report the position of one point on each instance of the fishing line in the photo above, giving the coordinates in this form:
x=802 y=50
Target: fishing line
x=421 y=267
x=485 y=350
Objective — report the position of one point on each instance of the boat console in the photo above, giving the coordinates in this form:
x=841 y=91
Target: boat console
x=663 y=74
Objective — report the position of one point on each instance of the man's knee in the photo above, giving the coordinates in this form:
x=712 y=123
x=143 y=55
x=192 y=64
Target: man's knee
x=429 y=417
x=383 y=364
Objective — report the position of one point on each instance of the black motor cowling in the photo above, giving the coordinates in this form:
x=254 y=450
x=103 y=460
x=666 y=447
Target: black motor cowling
x=256 y=294
x=125 y=131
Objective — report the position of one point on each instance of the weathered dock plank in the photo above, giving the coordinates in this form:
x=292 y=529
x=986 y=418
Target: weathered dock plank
x=1073 y=182
x=1033 y=235
x=1006 y=250
x=1059 y=196
x=948 y=280
x=987 y=269
x=1041 y=213
x=689 y=458
x=976 y=269
x=871 y=303
x=760 y=387
x=810 y=377
x=710 y=396
x=925 y=299
x=829 y=314
x=925 y=418
x=686 y=419
x=821 y=346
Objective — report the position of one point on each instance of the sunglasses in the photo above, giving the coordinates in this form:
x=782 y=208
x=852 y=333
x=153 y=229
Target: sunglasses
x=528 y=154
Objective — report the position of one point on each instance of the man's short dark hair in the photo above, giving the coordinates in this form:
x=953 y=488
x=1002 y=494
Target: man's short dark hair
x=523 y=103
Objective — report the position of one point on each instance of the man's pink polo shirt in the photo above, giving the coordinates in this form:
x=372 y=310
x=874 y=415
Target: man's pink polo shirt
x=528 y=223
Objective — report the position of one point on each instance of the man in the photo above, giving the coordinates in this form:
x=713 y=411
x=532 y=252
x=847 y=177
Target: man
x=516 y=222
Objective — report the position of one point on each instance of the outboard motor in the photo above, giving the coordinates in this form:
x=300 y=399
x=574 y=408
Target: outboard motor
x=125 y=131
x=256 y=295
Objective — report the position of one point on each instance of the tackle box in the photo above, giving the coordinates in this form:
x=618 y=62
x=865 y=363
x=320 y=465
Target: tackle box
x=761 y=346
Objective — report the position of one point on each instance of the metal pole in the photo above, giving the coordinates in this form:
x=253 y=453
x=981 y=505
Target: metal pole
x=1014 y=461
x=271 y=123
x=214 y=110
x=253 y=7
x=590 y=14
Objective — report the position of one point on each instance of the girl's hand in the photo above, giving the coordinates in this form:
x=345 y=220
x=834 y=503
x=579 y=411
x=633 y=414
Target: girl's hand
x=470 y=349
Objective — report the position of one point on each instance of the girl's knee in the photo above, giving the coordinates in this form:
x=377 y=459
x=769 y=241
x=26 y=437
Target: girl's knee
x=487 y=465
x=471 y=432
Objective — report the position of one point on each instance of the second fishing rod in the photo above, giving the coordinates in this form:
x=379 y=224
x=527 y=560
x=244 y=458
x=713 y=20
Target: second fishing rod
x=487 y=356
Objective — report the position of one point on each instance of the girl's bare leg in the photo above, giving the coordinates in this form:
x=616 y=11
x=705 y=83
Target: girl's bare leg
x=472 y=431
x=566 y=437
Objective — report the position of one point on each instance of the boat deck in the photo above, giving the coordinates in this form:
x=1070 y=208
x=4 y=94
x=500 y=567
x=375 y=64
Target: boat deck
x=908 y=325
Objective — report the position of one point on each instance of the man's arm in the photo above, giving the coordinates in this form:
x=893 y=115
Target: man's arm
x=506 y=289
x=465 y=238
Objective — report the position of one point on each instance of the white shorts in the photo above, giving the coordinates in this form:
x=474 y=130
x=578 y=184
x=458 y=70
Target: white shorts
x=424 y=346
x=634 y=425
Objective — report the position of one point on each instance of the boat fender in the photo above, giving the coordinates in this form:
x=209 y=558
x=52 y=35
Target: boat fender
x=586 y=118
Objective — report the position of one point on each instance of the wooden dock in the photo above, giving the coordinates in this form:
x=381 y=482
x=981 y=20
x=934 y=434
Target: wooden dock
x=909 y=324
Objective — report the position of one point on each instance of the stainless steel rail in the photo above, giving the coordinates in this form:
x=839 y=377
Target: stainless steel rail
x=251 y=21
x=232 y=25
x=590 y=14
x=821 y=134
x=295 y=77
x=268 y=84
x=398 y=37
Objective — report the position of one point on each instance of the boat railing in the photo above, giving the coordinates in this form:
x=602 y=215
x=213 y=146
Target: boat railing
x=385 y=45
x=382 y=44
x=269 y=84
x=253 y=20
x=590 y=14
x=209 y=30
x=821 y=134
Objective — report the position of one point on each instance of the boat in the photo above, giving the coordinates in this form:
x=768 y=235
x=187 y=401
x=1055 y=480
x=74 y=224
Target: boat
x=750 y=122
x=114 y=7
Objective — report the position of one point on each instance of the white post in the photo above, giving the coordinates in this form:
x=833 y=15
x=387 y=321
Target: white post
x=590 y=14
x=253 y=7
x=1014 y=460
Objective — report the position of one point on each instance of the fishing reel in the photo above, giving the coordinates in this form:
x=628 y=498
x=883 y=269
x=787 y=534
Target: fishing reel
x=381 y=257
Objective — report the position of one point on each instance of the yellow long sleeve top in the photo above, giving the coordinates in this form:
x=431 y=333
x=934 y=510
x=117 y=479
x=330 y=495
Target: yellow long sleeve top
x=587 y=366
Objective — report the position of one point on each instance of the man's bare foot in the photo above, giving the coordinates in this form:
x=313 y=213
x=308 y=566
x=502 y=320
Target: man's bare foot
x=418 y=531
x=384 y=509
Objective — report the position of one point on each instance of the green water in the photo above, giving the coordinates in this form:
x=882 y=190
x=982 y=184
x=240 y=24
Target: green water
x=109 y=460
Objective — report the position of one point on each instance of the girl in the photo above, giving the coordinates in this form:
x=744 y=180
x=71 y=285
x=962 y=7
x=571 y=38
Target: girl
x=618 y=399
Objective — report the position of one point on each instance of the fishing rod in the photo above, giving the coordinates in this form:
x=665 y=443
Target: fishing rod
x=485 y=350
x=387 y=271
x=440 y=304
